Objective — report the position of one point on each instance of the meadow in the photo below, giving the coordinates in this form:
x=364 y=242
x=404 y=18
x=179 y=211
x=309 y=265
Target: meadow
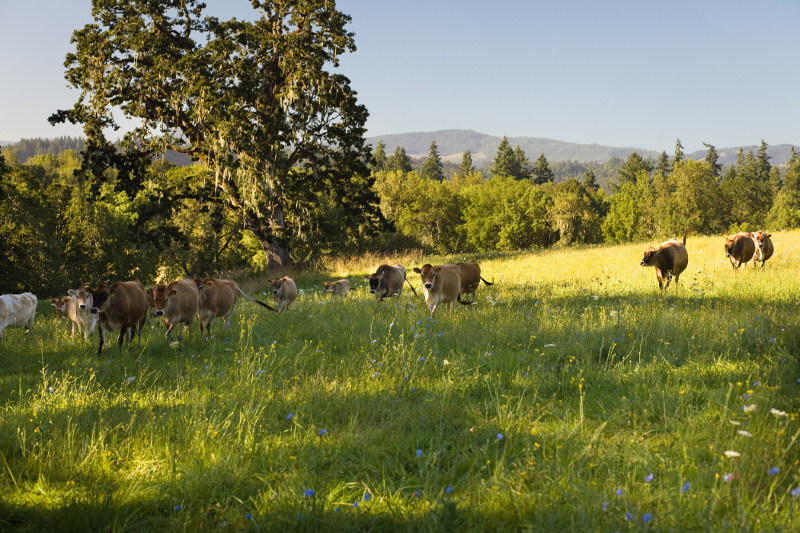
x=572 y=396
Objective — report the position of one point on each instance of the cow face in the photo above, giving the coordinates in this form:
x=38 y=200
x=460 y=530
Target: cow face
x=649 y=255
x=759 y=238
x=60 y=305
x=328 y=287
x=728 y=246
x=427 y=273
x=276 y=284
x=374 y=281
x=100 y=297
x=159 y=299
x=84 y=297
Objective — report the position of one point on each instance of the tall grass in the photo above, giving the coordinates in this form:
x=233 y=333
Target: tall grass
x=573 y=395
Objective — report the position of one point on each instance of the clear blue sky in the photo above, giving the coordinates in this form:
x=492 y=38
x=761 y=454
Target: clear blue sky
x=622 y=73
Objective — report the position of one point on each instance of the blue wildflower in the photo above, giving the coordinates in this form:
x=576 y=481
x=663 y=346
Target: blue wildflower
x=337 y=509
x=619 y=492
x=685 y=487
x=648 y=478
x=448 y=490
x=323 y=432
x=419 y=453
x=646 y=517
x=605 y=506
x=629 y=516
x=367 y=497
x=727 y=477
x=289 y=416
x=310 y=492
x=249 y=516
x=774 y=470
x=499 y=436
x=355 y=504
x=177 y=507
x=795 y=492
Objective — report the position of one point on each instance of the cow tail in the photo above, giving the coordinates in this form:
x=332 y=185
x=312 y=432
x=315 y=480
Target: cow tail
x=486 y=282
x=688 y=231
x=410 y=285
x=259 y=302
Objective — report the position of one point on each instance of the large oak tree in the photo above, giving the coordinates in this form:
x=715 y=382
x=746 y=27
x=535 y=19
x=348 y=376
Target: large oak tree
x=257 y=101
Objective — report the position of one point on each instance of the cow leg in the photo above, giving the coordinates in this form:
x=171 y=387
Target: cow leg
x=122 y=331
x=168 y=334
x=102 y=334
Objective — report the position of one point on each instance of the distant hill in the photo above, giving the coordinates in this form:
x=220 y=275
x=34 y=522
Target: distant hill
x=453 y=143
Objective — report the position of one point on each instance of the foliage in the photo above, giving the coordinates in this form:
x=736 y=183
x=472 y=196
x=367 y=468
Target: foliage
x=576 y=213
x=399 y=161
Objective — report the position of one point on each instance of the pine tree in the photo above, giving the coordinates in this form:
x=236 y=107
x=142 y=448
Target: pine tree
x=465 y=168
x=399 y=161
x=379 y=157
x=629 y=170
x=504 y=160
x=678 y=151
x=432 y=168
x=520 y=167
x=663 y=166
x=541 y=171
x=590 y=181
x=711 y=158
x=762 y=165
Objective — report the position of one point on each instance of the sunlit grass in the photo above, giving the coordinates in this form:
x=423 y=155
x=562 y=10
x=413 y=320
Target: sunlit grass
x=572 y=395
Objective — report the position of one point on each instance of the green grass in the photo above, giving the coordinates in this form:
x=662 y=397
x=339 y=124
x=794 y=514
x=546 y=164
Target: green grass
x=570 y=382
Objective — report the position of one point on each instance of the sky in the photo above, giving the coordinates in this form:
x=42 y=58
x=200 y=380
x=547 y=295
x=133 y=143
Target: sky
x=621 y=73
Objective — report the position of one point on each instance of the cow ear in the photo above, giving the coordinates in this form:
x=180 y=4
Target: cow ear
x=768 y=235
x=112 y=292
x=209 y=284
x=367 y=276
x=417 y=270
x=172 y=293
x=53 y=302
x=437 y=269
x=71 y=292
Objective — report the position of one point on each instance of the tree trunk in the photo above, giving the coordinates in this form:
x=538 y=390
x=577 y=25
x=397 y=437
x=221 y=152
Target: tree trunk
x=276 y=250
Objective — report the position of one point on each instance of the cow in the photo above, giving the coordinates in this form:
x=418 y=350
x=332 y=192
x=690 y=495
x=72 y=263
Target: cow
x=284 y=292
x=388 y=281
x=83 y=303
x=67 y=307
x=59 y=306
x=670 y=259
x=123 y=306
x=441 y=284
x=176 y=304
x=338 y=288
x=470 y=280
x=739 y=249
x=217 y=297
x=17 y=310
x=764 y=248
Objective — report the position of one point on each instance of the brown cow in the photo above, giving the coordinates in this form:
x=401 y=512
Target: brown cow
x=764 y=248
x=217 y=297
x=739 y=249
x=177 y=303
x=470 y=280
x=670 y=259
x=441 y=284
x=338 y=288
x=284 y=292
x=123 y=305
x=59 y=306
x=388 y=281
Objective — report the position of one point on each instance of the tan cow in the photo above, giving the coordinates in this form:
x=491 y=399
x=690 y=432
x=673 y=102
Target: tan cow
x=670 y=259
x=82 y=303
x=388 y=281
x=739 y=249
x=338 y=288
x=17 y=310
x=67 y=308
x=217 y=298
x=121 y=306
x=59 y=306
x=284 y=292
x=177 y=304
x=470 y=280
x=764 y=248
x=441 y=284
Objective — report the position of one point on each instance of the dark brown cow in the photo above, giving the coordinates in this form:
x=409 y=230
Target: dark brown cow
x=670 y=259
x=121 y=306
x=284 y=292
x=388 y=281
x=338 y=288
x=441 y=284
x=764 y=248
x=177 y=304
x=739 y=249
x=217 y=298
x=470 y=280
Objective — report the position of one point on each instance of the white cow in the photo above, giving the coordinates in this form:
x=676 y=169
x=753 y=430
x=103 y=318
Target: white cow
x=82 y=303
x=17 y=310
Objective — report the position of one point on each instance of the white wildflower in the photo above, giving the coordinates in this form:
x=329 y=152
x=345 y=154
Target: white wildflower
x=749 y=408
x=131 y=379
x=744 y=433
x=735 y=423
x=549 y=345
x=731 y=453
x=777 y=412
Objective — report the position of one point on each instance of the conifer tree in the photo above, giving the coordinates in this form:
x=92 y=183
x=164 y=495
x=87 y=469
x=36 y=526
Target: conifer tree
x=663 y=166
x=465 y=168
x=520 y=167
x=711 y=158
x=542 y=173
x=399 y=161
x=504 y=160
x=379 y=157
x=432 y=168
x=678 y=151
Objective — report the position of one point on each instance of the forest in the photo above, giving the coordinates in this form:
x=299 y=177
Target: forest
x=59 y=228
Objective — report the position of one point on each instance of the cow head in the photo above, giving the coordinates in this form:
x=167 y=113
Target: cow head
x=728 y=246
x=374 y=281
x=427 y=273
x=159 y=298
x=328 y=286
x=759 y=237
x=60 y=305
x=100 y=297
x=84 y=297
x=649 y=255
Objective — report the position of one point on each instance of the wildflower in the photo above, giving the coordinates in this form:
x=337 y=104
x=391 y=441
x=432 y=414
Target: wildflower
x=732 y=454
x=749 y=408
x=448 y=490
x=727 y=477
x=795 y=492
x=776 y=412
x=499 y=436
x=735 y=423
x=337 y=509
x=131 y=379
x=649 y=478
x=619 y=492
x=629 y=516
x=355 y=504
x=756 y=383
x=323 y=432
x=605 y=506
x=417 y=493
x=419 y=453
x=685 y=487
x=549 y=345
x=177 y=507
x=249 y=516
x=375 y=375
x=367 y=497
x=289 y=416
x=774 y=470
x=646 y=517
x=744 y=433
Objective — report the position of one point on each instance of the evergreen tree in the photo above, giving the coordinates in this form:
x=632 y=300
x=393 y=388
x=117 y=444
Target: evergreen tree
x=785 y=212
x=630 y=169
x=520 y=167
x=762 y=165
x=678 y=151
x=399 y=161
x=541 y=171
x=663 y=166
x=465 y=168
x=379 y=157
x=590 y=181
x=711 y=158
x=432 y=168
x=503 y=160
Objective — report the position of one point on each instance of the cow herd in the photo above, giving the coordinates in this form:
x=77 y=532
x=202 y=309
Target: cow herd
x=126 y=305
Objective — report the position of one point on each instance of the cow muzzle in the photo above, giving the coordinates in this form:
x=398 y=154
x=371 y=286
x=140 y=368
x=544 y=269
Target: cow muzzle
x=428 y=285
x=159 y=312
x=642 y=263
x=82 y=306
x=93 y=310
x=372 y=291
x=274 y=291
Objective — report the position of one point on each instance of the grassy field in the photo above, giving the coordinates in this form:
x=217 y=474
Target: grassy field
x=572 y=396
